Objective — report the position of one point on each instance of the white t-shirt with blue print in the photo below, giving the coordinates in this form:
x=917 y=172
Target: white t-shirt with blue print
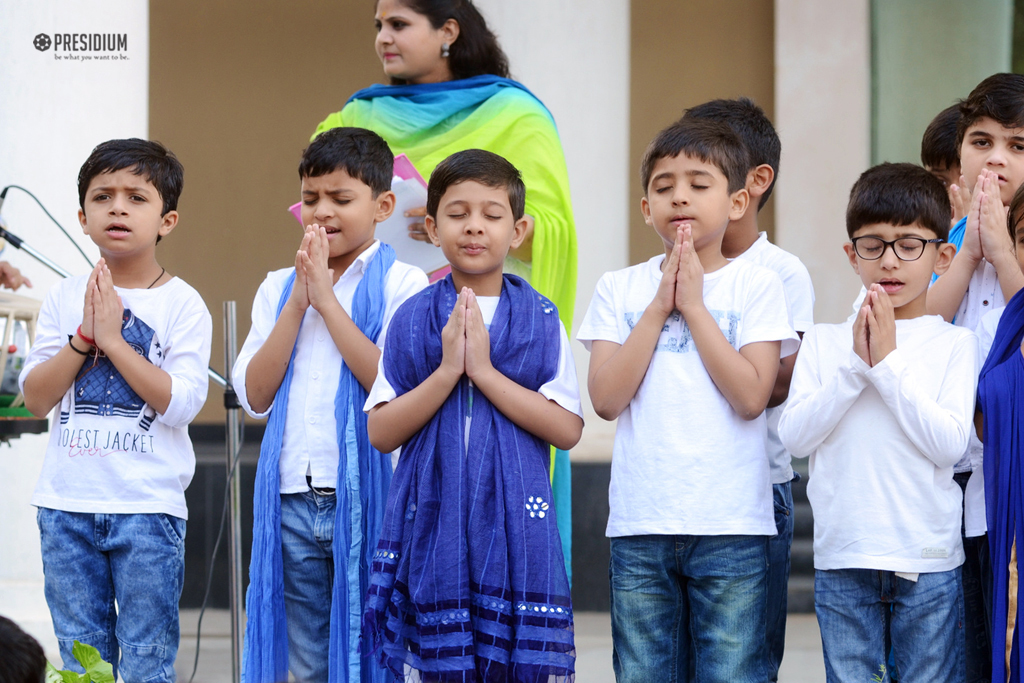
x=684 y=462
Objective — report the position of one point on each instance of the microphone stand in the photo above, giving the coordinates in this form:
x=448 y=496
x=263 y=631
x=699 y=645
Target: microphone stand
x=19 y=243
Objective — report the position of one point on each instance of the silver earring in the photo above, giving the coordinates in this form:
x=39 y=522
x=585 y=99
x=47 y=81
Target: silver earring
x=444 y=50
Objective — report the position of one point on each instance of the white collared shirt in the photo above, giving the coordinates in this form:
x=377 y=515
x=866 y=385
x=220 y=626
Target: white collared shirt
x=310 y=441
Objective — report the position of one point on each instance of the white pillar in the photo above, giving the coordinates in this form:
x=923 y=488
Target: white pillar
x=822 y=112
x=574 y=55
x=53 y=112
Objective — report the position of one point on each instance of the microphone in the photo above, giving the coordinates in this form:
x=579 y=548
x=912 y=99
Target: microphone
x=3 y=196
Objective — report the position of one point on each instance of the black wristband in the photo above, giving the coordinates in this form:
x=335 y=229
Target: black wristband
x=73 y=348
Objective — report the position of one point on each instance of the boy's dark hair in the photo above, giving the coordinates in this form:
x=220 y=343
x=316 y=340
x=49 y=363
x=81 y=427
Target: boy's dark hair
x=144 y=158
x=754 y=129
x=486 y=168
x=21 y=657
x=476 y=51
x=1016 y=213
x=359 y=152
x=898 y=194
x=710 y=141
x=939 y=148
x=999 y=97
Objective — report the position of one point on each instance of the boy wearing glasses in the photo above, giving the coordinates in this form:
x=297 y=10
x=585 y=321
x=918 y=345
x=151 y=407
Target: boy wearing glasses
x=883 y=405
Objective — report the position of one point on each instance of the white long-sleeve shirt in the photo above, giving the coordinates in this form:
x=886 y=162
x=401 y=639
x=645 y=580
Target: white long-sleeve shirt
x=310 y=441
x=883 y=441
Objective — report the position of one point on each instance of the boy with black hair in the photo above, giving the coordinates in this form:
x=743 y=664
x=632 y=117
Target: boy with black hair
x=744 y=240
x=685 y=350
x=128 y=370
x=475 y=384
x=940 y=153
x=21 y=655
x=310 y=357
x=884 y=419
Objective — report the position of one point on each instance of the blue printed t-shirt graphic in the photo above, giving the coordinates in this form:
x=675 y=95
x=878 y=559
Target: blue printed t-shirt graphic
x=101 y=390
x=675 y=335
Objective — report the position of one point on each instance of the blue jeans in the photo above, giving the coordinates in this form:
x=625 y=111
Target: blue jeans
x=307 y=535
x=91 y=561
x=862 y=612
x=687 y=606
x=779 y=547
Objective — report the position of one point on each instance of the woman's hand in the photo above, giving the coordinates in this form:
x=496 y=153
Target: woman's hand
x=418 y=230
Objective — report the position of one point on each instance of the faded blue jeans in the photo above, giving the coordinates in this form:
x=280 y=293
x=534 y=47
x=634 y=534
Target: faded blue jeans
x=683 y=604
x=307 y=537
x=864 y=612
x=91 y=561
x=779 y=547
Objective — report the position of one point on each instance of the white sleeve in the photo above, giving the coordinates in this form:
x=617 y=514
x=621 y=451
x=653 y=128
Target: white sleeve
x=49 y=338
x=264 y=316
x=381 y=391
x=816 y=404
x=799 y=295
x=186 y=360
x=763 y=318
x=600 y=322
x=401 y=285
x=564 y=388
x=939 y=427
x=987 y=333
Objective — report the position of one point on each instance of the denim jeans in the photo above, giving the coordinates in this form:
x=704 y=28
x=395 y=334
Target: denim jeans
x=688 y=607
x=779 y=547
x=862 y=612
x=92 y=561
x=307 y=535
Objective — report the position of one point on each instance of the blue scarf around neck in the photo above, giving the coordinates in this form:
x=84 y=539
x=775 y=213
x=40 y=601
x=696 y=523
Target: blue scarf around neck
x=1000 y=396
x=357 y=523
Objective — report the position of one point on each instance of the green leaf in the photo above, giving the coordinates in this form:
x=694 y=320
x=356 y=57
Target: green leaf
x=54 y=676
x=96 y=669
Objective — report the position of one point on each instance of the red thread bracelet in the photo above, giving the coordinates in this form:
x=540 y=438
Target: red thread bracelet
x=91 y=342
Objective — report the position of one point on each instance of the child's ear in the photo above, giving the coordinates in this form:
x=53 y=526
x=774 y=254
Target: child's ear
x=645 y=209
x=944 y=258
x=431 y=227
x=385 y=206
x=852 y=255
x=167 y=223
x=759 y=180
x=521 y=230
x=82 y=221
x=740 y=200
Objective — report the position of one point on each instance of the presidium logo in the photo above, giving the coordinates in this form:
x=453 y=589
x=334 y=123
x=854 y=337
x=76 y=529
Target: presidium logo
x=84 y=47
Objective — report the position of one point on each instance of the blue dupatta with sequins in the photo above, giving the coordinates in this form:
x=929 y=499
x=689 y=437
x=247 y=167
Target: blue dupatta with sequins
x=468 y=581
x=1000 y=391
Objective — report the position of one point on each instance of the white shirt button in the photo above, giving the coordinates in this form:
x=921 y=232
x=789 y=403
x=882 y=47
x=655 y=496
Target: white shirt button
x=312 y=420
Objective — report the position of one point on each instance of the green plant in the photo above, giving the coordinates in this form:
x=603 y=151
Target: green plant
x=96 y=670
x=879 y=678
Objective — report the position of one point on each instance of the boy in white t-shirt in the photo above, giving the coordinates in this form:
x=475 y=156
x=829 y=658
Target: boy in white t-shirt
x=883 y=406
x=744 y=240
x=310 y=357
x=685 y=351
x=127 y=372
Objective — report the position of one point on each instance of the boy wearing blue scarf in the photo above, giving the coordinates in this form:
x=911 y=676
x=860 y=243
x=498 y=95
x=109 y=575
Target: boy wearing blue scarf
x=311 y=355
x=1000 y=389
x=475 y=383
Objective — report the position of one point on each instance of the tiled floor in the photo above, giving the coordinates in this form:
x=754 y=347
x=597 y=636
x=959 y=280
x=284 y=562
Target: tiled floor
x=802 y=664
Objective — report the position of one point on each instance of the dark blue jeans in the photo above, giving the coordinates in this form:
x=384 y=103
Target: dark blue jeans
x=862 y=612
x=91 y=561
x=779 y=547
x=683 y=604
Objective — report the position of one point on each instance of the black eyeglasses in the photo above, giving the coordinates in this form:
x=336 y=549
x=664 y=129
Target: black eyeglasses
x=905 y=248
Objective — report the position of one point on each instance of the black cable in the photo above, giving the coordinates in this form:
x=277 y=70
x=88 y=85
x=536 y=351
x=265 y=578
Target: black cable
x=55 y=221
x=216 y=545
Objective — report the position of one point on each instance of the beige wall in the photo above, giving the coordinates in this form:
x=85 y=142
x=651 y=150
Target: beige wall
x=237 y=89
x=685 y=53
